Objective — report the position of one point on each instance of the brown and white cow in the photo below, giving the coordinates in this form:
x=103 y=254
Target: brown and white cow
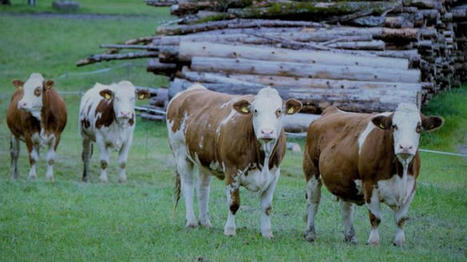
x=365 y=159
x=107 y=117
x=236 y=138
x=36 y=115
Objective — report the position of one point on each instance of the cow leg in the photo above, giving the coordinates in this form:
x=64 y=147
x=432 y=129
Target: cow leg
x=374 y=212
x=85 y=156
x=266 y=207
x=313 y=197
x=122 y=157
x=233 y=201
x=49 y=175
x=347 y=218
x=185 y=169
x=400 y=216
x=33 y=151
x=204 y=184
x=104 y=156
x=14 y=153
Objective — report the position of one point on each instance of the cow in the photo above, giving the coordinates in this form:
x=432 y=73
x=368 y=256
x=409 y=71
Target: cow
x=107 y=117
x=239 y=139
x=37 y=115
x=365 y=159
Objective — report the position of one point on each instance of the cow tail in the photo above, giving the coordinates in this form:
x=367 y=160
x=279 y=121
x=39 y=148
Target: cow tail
x=177 y=191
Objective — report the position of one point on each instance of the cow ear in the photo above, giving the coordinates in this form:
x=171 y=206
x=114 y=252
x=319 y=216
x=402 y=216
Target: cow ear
x=242 y=106
x=107 y=94
x=383 y=122
x=18 y=84
x=143 y=94
x=292 y=106
x=48 y=84
x=431 y=123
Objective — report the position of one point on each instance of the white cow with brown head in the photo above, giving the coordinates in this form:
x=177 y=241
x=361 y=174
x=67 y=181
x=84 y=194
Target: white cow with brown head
x=107 y=117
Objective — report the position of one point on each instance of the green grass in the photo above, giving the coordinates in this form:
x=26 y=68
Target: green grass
x=132 y=7
x=73 y=221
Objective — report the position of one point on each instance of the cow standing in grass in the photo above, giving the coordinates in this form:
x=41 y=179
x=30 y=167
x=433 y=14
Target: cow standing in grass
x=36 y=115
x=365 y=159
x=236 y=138
x=107 y=117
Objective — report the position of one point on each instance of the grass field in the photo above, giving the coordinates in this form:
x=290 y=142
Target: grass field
x=73 y=221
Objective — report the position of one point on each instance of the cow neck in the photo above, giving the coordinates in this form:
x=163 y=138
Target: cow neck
x=46 y=111
x=264 y=153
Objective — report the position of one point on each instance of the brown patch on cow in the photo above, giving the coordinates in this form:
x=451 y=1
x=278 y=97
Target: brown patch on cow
x=50 y=162
x=431 y=123
x=123 y=165
x=103 y=164
x=37 y=91
x=402 y=221
x=106 y=110
x=234 y=207
x=131 y=121
x=268 y=210
x=85 y=123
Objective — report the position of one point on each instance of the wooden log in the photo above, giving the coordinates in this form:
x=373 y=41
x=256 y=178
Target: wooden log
x=118 y=46
x=142 y=40
x=298 y=123
x=359 y=45
x=188 y=50
x=355 y=100
x=168 y=54
x=108 y=57
x=359 y=73
x=151 y=117
x=315 y=10
x=232 y=24
x=159 y=68
x=150 y=109
x=283 y=81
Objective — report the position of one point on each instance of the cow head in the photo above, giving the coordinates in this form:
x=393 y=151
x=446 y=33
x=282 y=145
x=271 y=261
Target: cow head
x=267 y=110
x=33 y=89
x=123 y=95
x=406 y=124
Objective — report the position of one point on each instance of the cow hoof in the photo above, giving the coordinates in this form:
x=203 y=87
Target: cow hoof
x=230 y=231
x=373 y=243
x=268 y=235
x=85 y=179
x=350 y=239
x=191 y=225
x=310 y=236
x=206 y=224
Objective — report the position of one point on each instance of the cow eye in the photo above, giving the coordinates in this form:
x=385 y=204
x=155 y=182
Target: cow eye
x=394 y=127
x=37 y=91
x=419 y=128
x=278 y=113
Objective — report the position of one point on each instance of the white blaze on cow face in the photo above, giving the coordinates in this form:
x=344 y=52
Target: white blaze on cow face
x=267 y=110
x=406 y=124
x=124 y=96
x=32 y=94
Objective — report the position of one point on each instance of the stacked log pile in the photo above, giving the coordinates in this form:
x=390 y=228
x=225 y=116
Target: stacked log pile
x=362 y=56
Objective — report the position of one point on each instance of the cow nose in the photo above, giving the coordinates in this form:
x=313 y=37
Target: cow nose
x=406 y=148
x=125 y=114
x=267 y=134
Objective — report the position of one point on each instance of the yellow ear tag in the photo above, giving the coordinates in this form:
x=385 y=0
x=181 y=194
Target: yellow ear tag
x=141 y=96
x=107 y=96
x=20 y=87
x=245 y=110
x=381 y=125
x=290 y=110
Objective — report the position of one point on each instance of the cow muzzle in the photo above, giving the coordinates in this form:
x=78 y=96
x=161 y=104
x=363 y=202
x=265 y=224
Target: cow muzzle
x=405 y=152
x=125 y=115
x=266 y=135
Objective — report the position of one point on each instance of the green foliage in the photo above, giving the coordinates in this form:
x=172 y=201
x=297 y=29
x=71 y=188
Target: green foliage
x=71 y=221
